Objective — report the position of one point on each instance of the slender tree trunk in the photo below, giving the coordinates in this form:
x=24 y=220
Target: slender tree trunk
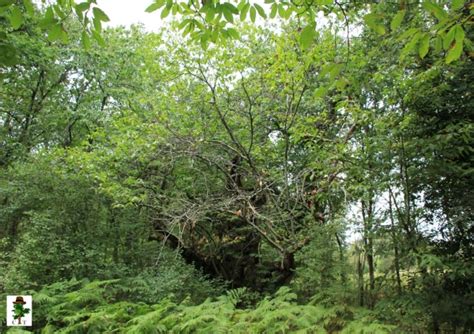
x=341 y=258
x=396 y=250
x=360 y=276
x=367 y=214
x=405 y=182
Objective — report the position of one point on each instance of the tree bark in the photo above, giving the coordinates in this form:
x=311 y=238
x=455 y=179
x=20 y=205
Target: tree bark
x=367 y=214
x=396 y=250
x=360 y=276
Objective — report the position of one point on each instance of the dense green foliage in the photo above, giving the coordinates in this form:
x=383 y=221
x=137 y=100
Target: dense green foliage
x=114 y=306
x=213 y=21
x=285 y=180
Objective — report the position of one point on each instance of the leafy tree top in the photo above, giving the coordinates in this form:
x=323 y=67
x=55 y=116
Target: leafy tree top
x=423 y=25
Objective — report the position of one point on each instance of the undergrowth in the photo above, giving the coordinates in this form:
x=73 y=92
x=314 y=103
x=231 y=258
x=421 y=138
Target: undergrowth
x=109 y=307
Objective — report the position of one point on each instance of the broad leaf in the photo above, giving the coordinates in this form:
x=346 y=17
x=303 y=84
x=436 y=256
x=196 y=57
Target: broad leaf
x=457 y=4
x=448 y=38
x=397 y=20
x=244 y=11
x=99 y=14
x=253 y=14
x=307 y=36
x=454 y=53
x=16 y=18
x=155 y=6
x=435 y=9
x=55 y=32
x=260 y=11
x=424 y=46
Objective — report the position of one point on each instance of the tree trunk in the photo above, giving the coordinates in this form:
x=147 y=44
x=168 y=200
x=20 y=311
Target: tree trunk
x=367 y=215
x=341 y=258
x=360 y=276
x=396 y=250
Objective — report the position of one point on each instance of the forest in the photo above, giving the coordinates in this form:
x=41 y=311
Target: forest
x=253 y=167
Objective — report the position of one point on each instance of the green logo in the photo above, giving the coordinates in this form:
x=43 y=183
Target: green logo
x=19 y=310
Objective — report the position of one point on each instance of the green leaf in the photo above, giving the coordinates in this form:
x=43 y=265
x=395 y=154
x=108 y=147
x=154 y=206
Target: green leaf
x=332 y=69
x=99 y=14
x=380 y=29
x=228 y=15
x=260 y=11
x=54 y=33
x=342 y=83
x=397 y=20
x=456 y=33
x=82 y=7
x=231 y=8
x=164 y=13
x=204 y=41
x=29 y=7
x=408 y=33
x=320 y=92
x=424 y=46
x=454 y=53
x=438 y=44
x=410 y=46
x=184 y=23
x=448 y=38
x=273 y=11
x=98 y=37
x=435 y=9
x=189 y=28
x=457 y=4
x=48 y=18
x=287 y=13
x=155 y=6
x=175 y=9
x=244 y=11
x=86 y=41
x=373 y=21
x=233 y=33
x=60 y=12
x=210 y=14
x=253 y=14
x=97 y=24
x=335 y=71
x=307 y=35
x=459 y=33
x=16 y=18
x=281 y=10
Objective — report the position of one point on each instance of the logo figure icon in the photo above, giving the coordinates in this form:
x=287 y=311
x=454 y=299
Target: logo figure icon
x=19 y=310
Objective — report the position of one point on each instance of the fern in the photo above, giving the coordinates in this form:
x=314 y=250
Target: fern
x=150 y=322
x=235 y=295
x=361 y=327
x=98 y=307
x=18 y=331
